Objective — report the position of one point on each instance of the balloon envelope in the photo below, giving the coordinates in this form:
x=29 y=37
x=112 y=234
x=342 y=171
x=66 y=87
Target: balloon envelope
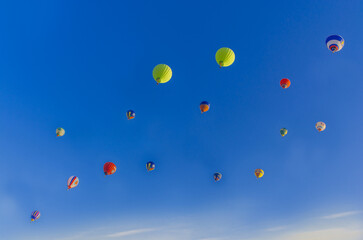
x=109 y=168
x=72 y=182
x=217 y=177
x=130 y=114
x=320 y=126
x=335 y=43
x=162 y=73
x=35 y=216
x=285 y=83
x=259 y=173
x=204 y=106
x=60 y=132
x=225 y=57
x=150 y=166
x=283 y=131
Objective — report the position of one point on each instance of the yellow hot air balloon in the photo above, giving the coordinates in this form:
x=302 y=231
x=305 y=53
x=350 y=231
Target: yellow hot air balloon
x=162 y=73
x=225 y=57
x=259 y=173
x=283 y=131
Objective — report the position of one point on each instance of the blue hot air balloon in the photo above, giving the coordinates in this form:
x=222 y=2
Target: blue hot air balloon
x=130 y=114
x=217 y=176
x=150 y=166
x=35 y=216
x=335 y=43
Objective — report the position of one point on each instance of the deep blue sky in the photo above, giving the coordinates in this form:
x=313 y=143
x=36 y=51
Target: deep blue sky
x=81 y=65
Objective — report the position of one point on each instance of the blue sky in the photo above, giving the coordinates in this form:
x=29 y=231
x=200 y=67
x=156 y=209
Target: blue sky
x=81 y=65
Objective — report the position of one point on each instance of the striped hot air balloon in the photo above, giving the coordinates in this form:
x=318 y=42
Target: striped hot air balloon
x=72 y=182
x=35 y=216
x=259 y=173
x=150 y=166
x=217 y=176
x=130 y=114
x=335 y=43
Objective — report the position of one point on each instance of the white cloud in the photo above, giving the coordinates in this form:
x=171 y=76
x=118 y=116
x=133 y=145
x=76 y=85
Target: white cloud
x=76 y=236
x=316 y=228
x=209 y=239
x=325 y=234
x=275 y=229
x=130 y=232
x=340 y=215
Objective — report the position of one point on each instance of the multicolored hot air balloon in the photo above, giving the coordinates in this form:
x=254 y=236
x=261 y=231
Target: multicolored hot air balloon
x=72 y=182
x=335 y=43
x=150 y=166
x=35 y=216
x=283 y=131
x=162 y=73
x=109 y=168
x=259 y=173
x=130 y=114
x=225 y=57
x=217 y=177
x=320 y=126
x=60 y=132
x=204 y=106
x=285 y=83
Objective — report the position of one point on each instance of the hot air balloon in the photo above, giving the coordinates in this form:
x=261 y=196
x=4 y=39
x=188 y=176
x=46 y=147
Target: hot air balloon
x=72 y=182
x=283 y=131
x=225 y=57
x=60 y=132
x=259 y=173
x=35 y=216
x=320 y=126
x=335 y=43
x=162 y=73
x=285 y=83
x=204 y=106
x=150 y=166
x=109 y=168
x=130 y=114
x=217 y=177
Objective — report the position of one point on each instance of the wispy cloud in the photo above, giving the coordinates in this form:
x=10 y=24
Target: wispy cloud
x=312 y=228
x=76 y=236
x=340 y=215
x=210 y=239
x=325 y=234
x=275 y=229
x=130 y=232
x=337 y=233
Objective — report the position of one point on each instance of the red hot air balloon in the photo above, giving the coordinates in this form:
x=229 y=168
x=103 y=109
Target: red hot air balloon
x=109 y=168
x=285 y=83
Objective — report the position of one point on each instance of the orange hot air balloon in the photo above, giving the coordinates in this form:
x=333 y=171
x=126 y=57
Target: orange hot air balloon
x=109 y=168
x=204 y=106
x=285 y=83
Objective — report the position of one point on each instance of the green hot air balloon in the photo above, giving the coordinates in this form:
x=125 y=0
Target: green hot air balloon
x=162 y=73
x=283 y=131
x=225 y=57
